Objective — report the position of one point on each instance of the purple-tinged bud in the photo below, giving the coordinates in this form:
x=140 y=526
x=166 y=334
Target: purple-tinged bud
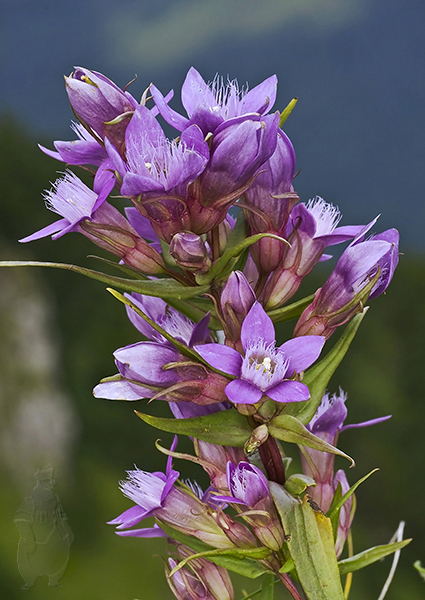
x=364 y=269
x=237 y=298
x=346 y=514
x=237 y=533
x=214 y=461
x=224 y=230
x=97 y=102
x=112 y=232
x=200 y=579
x=250 y=487
x=239 y=148
x=271 y=198
x=190 y=252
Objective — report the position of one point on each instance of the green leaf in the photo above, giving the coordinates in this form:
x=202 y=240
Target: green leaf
x=221 y=263
x=297 y=483
x=239 y=231
x=224 y=428
x=367 y=557
x=162 y=288
x=288 y=566
x=289 y=429
x=335 y=508
x=245 y=566
x=238 y=553
x=292 y=311
x=310 y=545
x=287 y=111
x=267 y=589
x=317 y=378
x=420 y=569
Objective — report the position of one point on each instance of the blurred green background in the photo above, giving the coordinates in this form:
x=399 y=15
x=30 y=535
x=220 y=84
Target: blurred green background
x=358 y=133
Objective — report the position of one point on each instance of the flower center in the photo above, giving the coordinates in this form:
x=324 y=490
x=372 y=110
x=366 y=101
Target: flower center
x=263 y=366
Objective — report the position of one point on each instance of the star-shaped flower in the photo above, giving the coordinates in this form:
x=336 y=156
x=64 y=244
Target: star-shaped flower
x=264 y=369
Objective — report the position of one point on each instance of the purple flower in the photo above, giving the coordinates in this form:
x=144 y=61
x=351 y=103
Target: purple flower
x=156 y=173
x=155 y=494
x=190 y=252
x=271 y=195
x=249 y=486
x=239 y=148
x=74 y=202
x=97 y=101
x=203 y=580
x=264 y=369
x=210 y=105
x=311 y=228
x=173 y=322
x=346 y=290
x=326 y=424
x=236 y=300
x=156 y=370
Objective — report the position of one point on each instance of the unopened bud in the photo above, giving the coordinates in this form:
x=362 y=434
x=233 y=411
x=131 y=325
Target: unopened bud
x=258 y=437
x=190 y=252
x=237 y=297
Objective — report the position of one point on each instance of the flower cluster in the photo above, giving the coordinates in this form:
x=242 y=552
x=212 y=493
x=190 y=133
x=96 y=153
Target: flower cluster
x=216 y=242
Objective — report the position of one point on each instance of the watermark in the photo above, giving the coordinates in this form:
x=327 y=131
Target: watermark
x=45 y=536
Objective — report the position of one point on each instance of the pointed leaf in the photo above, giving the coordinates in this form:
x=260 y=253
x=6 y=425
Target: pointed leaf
x=267 y=589
x=162 y=288
x=335 y=508
x=287 y=111
x=310 y=544
x=317 y=378
x=297 y=483
x=245 y=566
x=225 y=428
x=289 y=429
x=238 y=553
x=367 y=557
x=420 y=569
x=220 y=264
x=291 y=311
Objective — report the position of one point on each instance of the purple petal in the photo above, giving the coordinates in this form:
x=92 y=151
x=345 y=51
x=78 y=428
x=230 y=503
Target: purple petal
x=171 y=116
x=257 y=325
x=134 y=184
x=221 y=357
x=261 y=98
x=146 y=361
x=240 y=391
x=200 y=331
x=366 y=423
x=148 y=532
x=195 y=92
x=49 y=230
x=129 y=517
x=289 y=391
x=121 y=390
x=302 y=352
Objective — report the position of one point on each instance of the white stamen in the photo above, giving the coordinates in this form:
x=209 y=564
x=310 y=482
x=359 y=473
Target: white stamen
x=327 y=215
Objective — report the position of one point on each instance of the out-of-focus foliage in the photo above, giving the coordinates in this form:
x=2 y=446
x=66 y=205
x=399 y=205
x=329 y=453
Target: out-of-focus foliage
x=382 y=374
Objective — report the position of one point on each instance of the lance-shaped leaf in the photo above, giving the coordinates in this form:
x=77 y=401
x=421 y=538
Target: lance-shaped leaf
x=420 y=569
x=267 y=589
x=161 y=288
x=289 y=429
x=224 y=428
x=317 y=378
x=367 y=557
x=242 y=565
x=338 y=501
x=291 y=311
x=221 y=263
x=310 y=544
x=287 y=111
x=238 y=553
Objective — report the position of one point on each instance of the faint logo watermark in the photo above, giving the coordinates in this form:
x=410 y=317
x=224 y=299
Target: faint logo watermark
x=45 y=534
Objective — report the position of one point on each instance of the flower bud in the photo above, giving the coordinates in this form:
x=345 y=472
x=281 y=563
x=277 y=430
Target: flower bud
x=190 y=252
x=237 y=297
x=237 y=533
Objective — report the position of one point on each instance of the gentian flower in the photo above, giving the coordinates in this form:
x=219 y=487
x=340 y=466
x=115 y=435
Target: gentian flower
x=249 y=486
x=327 y=424
x=97 y=101
x=311 y=228
x=208 y=106
x=203 y=580
x=272 y=196
x=346 y=290
x=236 y=300
x=156 y=173
x=155 y=494
x=264 y=369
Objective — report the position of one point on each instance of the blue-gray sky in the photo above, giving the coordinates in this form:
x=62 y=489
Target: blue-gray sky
x=356 y=66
